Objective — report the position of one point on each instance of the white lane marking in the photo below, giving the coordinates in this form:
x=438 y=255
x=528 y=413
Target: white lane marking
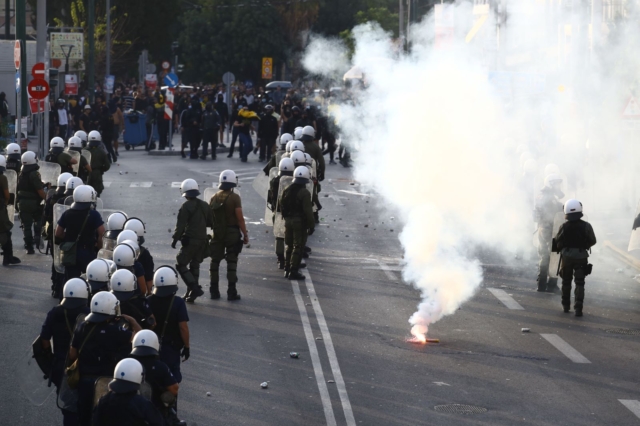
x=315 y=357
x=632 y=404
x=331 y=352
x=176 y=184
x=106 y=184
x=565 y=348
x=387 y=271
x=506 y=300
x=354 y=193
x=336 y=198
x=140 y=184
x=389 y=268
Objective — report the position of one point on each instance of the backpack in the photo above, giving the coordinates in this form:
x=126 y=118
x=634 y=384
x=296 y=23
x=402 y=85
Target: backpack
x=219 y=217
x=290 y=205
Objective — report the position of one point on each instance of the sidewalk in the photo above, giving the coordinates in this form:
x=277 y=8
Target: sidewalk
x=177 y=143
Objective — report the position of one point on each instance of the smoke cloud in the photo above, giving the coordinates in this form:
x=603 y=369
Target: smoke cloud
x=444 y=138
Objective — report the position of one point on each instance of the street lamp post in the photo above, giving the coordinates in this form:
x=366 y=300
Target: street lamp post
x=66 y=56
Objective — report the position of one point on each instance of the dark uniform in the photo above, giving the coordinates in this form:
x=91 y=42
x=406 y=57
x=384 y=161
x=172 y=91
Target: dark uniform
x=138 y=308
x=59 y=326
x=169 y=312
x=71 y=221
x=210 y=126
x=314 y=150
x=5 y=225
x=191 y=230
x=146 y=261
x=14 y=163
x=58 y=156
x=547 y=206
x=98 y=357
x=194 y=118
x=126 y=409
x=30 y=203
x=574 y=238
x=99 y=165
x=272 y=199
x=83 y=173
x=53 y=198
x=267 y=133
x=158 y=375
x=298 y=216
x=227 y=241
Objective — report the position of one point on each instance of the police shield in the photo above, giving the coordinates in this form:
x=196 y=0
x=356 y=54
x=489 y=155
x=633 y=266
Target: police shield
x=105 y=254
x=49 y=172
x=76 y=156
x=87 y=155
x=268 y=213
x=278 y=224
x=261 y=185
x=34 y=383
x=279 y=157
x=12 y=179
x=101 y=388
x=634 y=241
x=67 y=397
x=58 y=210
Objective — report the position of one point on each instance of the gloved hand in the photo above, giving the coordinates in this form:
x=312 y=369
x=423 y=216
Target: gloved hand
x=186 y=353
x=173 y=244
x=311 y=231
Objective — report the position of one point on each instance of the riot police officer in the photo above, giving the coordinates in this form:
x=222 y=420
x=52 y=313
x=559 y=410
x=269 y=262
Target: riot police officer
x=13 y=157
x=96 y=343
x=546 y=207
x=124 y=286
x=314 y=150
x=98 y=276
x=282 y=149
x=172 y=318
x=228 y=222
x=122 y=405
x=5 y=223
x=125 y=256
x=100 y=163
x=115 y=224
x=298 y=215
x=164 y=386
x=75 y=144
x=286 y=168
x=30 y=196
x=145 y=258
x=57 y=155
x=575 y=237
x=59 y=326
x=191 y=230
x=53 y=196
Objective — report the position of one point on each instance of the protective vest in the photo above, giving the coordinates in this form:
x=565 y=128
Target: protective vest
x=13 y=164
x=209 y=120
x=160 y=308
x=120 y=409
x=574 y=235
x=63 y=328
x=24 y=180
x=291 y=204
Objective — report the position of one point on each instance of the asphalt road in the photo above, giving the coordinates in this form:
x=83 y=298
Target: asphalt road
x=348 y=321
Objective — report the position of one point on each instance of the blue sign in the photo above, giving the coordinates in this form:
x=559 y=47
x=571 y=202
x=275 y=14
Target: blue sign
x=248 y=84
x=18 y=82
x=171 y=80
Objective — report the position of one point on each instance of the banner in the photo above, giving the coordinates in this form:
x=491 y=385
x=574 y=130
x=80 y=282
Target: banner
x=109 y=82
x=71 y=84
x=267 y=68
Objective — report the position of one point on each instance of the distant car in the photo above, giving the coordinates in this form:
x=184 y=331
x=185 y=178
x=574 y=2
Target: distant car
x=282 y=84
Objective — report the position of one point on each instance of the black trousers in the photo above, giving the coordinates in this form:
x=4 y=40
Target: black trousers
x=266 y=145
x=195 y=136
x=209 y=136
x=234 y=138
x=573 y=270
x=163 y=132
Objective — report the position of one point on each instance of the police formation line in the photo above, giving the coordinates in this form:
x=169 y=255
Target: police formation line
x=120 y=331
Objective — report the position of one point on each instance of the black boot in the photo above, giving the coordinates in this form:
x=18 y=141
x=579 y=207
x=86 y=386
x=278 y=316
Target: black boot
x=286 y=271
x=295 y=275
x=214 y=291
x=232 y=292
x=7 y=256
x=29 y=248
x=316 y=218
x=302 y=265
x=281 y=262
x=307 y=249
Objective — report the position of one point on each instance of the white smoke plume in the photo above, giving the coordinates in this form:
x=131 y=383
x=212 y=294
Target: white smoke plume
x=443 y=147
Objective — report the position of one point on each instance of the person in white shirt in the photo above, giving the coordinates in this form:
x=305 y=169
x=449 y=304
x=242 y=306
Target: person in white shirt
x=63 y=119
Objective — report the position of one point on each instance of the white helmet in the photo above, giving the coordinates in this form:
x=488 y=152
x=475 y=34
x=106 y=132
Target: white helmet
x=301 y=175
x=297 y=134
x=116 y=221
x=126 y=234
x=56 y=142
x=189 y=188
x=552 y=179
x=551 y=169
x=75 y=293
x=572 y=206
x=127 y=376
x=83 y=196
x=288 y=147
x=309 y=131
x=165 y=281
x=3 y=162
x=82 y=135
x=297 y=146
x=73 y=183
x=13 y=149
x=286 y=165
x=98 y=275
x=124 y=255
x=308 y=159
x=123 y=284
x=529 y=166
x=145 y=343
x=136 y=225
x=29 y=158
x=104 y=306
x=227 y=180
x=298 y=158
x=75 y=142
x=94 y=135
x=63 y=178
x=285 y=138
x=133 y=244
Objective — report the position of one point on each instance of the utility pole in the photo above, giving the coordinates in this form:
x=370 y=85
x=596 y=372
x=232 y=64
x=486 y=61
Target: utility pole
x=41 y=43
x=91 y=10
x=108 y=47
x=21 y=34
x=401 y=23
x=7 y=19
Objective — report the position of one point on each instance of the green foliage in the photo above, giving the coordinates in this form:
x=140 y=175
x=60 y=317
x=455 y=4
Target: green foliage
x=387 y=20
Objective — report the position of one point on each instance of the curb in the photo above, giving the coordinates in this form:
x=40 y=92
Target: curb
x=176 y=152
x=623 y=256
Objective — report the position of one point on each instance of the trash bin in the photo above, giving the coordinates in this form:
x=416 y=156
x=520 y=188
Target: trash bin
x=135 y=131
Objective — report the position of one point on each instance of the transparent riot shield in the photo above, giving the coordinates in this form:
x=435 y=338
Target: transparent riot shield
x=67 y=397
x=87 y=155
x=261 y=185
x=76 y=156
x=314 y=169
x=311 y=187
x=101 y=388
x=105 y=254
x=58 y=210
x=34 y=383
x=49 y=172
x=279 y=157
x=208 y=193
x=278 y=224
x=109 y=243
x=634 y=241
x=268 y=213
x=12 y=178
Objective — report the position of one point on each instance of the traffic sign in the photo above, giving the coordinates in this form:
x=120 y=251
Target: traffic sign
x=170 y=79
x=16 y=54
x=18 y=82
x=38 y=88
x=166 y=65
x=38 y=70
x=632 y=110
x=228 y=78
x=267 y=68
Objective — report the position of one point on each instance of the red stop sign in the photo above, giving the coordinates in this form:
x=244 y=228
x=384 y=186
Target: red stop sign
x=38 y=70
x=38 y=88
